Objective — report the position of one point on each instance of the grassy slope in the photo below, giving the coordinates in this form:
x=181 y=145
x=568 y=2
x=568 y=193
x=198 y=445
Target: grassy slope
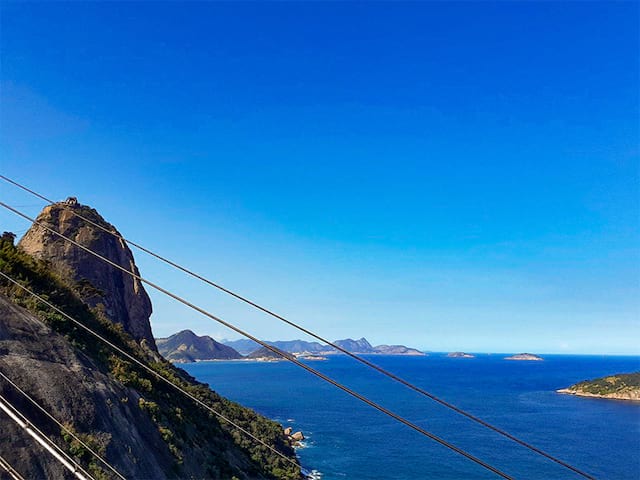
x=613 y=384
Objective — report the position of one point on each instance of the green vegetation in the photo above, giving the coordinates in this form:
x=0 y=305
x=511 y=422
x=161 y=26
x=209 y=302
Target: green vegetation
x=614 y=384
x=96 y=442
x=183 y=425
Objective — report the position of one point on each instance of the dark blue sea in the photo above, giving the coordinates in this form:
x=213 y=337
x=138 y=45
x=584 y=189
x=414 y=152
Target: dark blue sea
x=349 y=440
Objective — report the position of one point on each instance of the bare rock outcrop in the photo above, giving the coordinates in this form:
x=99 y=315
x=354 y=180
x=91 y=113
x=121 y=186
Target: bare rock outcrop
x=122 y=298
x=70 y=387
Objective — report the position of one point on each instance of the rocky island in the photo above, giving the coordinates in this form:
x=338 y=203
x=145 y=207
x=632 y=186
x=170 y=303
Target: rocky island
x=460 y=355
x=622 y=386
x=527 y=357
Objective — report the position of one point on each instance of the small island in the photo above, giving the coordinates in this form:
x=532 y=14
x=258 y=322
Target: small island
x=527 y=357
x=460 y=355
x=622 y=386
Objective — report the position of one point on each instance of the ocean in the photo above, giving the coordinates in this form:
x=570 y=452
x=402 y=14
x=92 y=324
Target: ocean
x=349 y=440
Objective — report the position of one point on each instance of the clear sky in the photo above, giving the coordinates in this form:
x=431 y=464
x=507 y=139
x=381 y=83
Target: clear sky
x=451 y=176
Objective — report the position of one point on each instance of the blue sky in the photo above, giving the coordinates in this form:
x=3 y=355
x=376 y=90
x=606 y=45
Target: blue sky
x=452 y=176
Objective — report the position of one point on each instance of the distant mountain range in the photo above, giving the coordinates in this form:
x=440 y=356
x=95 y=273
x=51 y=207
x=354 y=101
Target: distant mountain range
x=186 y=346
x=246 y=346
x=301 y=347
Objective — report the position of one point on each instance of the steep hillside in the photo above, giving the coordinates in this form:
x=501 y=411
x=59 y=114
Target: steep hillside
x=72 y=387
x=145 y=428
x=186 y=346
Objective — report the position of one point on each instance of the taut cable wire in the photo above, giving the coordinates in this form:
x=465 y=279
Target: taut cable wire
x=35 y=433
x=147 y=368
x=273 y=314
x=12 y=472
x=61 y=425
x=318 y=374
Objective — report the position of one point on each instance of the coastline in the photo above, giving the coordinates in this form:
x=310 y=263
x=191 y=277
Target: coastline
x=635 y=398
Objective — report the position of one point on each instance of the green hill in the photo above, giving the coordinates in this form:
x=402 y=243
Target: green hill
x=186 y=346
x=621 y=386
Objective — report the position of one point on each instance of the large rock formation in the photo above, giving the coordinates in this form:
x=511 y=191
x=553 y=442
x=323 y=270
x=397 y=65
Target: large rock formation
x=141 y=425
x=123 y=298
x=186 y=346
x=69 y=385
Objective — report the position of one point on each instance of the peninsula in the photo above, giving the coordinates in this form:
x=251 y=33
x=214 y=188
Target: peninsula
x=622 y=386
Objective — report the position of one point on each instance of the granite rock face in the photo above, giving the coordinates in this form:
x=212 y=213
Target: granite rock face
x=123 y=298
x=69 y=385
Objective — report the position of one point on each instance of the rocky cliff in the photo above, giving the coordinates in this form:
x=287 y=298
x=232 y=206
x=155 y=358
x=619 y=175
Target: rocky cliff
x=122 y=298
x=70 y=386
x=142 y=426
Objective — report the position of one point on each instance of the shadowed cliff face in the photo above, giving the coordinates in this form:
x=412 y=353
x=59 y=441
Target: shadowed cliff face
x=124 y=299
x=70 y=386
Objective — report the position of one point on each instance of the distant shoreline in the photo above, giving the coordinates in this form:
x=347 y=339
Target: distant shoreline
x=607 y=396
x=620 y=386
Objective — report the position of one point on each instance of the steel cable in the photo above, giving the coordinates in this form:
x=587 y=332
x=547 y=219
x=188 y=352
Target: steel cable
x=269 y=347
x=61 y=425
x=147 y=368
x=343 y=350
x=37 y=434
x=12 y=472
